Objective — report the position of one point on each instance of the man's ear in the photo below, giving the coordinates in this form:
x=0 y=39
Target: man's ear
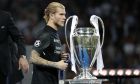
x=51 y=15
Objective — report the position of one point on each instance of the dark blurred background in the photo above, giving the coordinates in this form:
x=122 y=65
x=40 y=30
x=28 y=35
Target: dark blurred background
x=121 y=47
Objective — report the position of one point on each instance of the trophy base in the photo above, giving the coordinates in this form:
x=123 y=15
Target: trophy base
x=85 y=75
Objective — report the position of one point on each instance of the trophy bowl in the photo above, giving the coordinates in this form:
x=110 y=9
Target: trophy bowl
x=85 y=43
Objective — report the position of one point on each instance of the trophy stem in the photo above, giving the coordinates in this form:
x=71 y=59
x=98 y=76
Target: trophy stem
x=85 y=74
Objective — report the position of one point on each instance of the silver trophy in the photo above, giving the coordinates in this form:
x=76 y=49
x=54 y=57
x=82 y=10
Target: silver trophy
x=85 y=46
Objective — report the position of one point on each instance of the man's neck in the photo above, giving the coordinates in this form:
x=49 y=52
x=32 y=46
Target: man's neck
x=52 y=25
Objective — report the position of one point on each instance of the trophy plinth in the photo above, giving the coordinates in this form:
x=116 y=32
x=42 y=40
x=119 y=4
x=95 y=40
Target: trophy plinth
x=86 y=81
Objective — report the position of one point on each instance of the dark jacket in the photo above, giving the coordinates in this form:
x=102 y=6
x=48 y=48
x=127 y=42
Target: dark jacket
x=8 y=29
x=16 y=75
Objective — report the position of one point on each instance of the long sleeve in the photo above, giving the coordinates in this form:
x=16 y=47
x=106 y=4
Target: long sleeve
x=16 y=36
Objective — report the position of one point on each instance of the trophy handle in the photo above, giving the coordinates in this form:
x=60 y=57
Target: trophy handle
x=73 y=27
x=103 y=28
x=94 y=21
x=66 y=31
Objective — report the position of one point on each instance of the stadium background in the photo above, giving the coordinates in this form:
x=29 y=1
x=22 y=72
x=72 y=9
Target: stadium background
x=121 y=49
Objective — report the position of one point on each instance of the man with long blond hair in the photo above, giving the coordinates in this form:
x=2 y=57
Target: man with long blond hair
x=46 y=52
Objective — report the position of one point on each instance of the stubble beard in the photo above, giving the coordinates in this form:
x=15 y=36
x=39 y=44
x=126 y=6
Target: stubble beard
x=59 y=25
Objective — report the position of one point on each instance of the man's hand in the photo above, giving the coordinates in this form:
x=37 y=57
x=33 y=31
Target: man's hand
x=64 y=56
x=23 y=64
x=61 y=65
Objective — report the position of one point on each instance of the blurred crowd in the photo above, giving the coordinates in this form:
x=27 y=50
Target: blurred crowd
x=121 y=47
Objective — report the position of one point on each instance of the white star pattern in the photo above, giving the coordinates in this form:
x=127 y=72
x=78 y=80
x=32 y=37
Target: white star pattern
x=37 y=43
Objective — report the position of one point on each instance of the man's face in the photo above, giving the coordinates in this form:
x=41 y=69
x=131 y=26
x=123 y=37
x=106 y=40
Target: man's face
x=59 y=17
